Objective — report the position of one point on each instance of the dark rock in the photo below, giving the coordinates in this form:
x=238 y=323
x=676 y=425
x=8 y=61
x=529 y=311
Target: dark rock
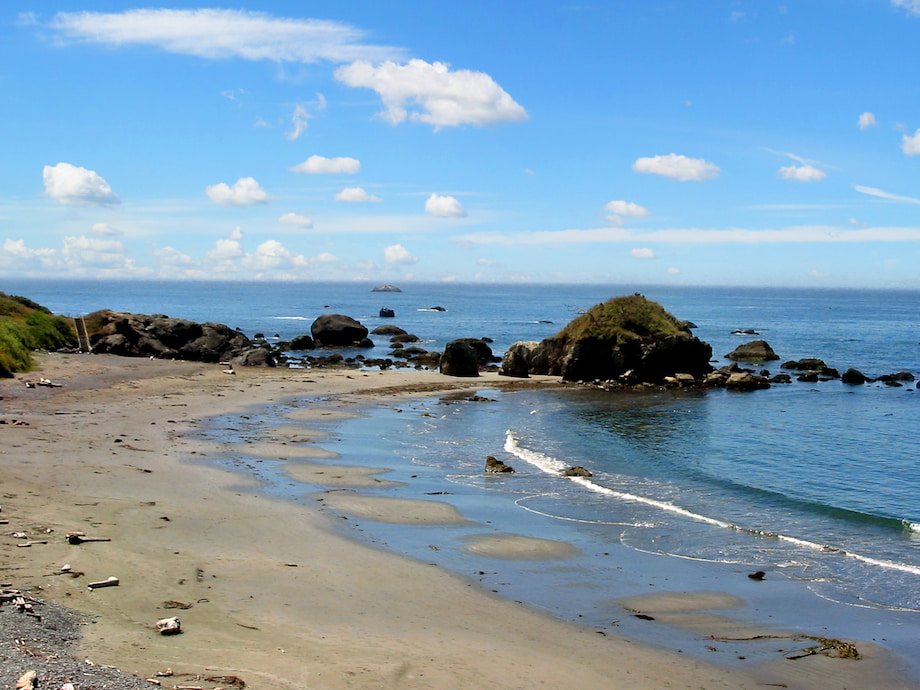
x=757 y=575
x=386 y=313
x=386 y=288
x=495 y=466
x=808 y=377
x=853 y=376
x=437 y=309
x=828 y=373
x=687 y=325
x=259 y=336
x=745 y=331
x=256 y=357
x=781 y=378
x=413 y=351
x=404 y=338
x=904 y=376
x=518 y=359
x=577 y=471
x=302 y=342
x=365 y=342
x=894 y=384
x=806 y=364
x=388 y=329
x=332 y=330
x=753 y=351
x=460 y=359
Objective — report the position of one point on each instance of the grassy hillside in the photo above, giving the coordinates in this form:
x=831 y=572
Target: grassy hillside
x=26 y=326
x=622 y=318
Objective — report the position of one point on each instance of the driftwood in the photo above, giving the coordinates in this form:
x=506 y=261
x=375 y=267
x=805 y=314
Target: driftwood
x=80 y=538
x=27 y=681
x=111 y=581
x=27 y=544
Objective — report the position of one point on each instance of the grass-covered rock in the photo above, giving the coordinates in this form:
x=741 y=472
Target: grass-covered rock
x=26 y=326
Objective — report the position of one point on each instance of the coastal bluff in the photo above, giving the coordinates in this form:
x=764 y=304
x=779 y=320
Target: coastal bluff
x=630 y=339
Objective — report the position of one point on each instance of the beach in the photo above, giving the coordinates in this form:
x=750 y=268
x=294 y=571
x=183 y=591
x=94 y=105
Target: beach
x=270 y=592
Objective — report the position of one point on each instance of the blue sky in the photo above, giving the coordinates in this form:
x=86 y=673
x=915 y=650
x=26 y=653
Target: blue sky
x=655 y=142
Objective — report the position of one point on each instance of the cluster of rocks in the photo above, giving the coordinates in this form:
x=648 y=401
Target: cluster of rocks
x=496 y=466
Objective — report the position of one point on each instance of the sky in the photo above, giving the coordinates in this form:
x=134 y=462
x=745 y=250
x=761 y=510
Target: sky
x=662 y=142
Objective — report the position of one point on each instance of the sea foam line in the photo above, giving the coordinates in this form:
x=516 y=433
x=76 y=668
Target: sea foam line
x=553 y=466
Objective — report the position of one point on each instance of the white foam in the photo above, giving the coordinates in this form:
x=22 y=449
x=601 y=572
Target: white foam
x=291 y=318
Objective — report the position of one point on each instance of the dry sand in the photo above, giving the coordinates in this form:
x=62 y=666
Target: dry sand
x=275 y=596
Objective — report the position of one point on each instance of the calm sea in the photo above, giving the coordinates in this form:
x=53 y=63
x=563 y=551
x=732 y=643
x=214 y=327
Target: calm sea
x=816 y=483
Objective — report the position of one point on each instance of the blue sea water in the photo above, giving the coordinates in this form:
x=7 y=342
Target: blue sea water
x=816 y=483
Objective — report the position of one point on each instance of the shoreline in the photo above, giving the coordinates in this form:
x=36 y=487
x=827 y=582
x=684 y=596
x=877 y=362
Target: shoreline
x=301 y=606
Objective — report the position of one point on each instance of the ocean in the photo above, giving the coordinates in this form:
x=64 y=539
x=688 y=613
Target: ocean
x=817 y=484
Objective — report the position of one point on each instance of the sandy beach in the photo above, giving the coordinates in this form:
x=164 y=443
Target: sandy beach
x=269 y=592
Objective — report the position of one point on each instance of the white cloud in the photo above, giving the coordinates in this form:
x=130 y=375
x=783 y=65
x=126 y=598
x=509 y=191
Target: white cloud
x=271 y=255
x=398 y=254
x=882 y=194
x=169 y=256
x=295 y=219
x=433 y=94
x=618 y=209
x=76 y=186
x=17 y=257
x=485 y=262
x=303 y=112
x=325 y=258
x=222 y=34
x=677 y=167
x=642 y=253
x=356 y=195
x=910 y=145
x=802 y=173
x=444 y=207
x=911 y=6
x=106 y=230
x=84 y=252
x=244 y=192
x=320 y=165
x=866 y=120
x=673 y=270
x=225 y=250
x=809 y=234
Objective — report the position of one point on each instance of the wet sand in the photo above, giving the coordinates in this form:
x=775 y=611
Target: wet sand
x=270 y=591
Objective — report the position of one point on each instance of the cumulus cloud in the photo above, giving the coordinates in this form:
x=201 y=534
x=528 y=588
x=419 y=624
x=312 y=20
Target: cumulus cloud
x=357 y=195
x=882 y=194
x=320 y=165
x=169 y=256
x=673 y=270
x=84 y=252
x=244 y=192
x=221 y=34
x=910 y=145
x=271 y=255
x=802 y=173
x=227 y=249
x=106 y=230
x=642 y=253
x=444 y=206
x=398 y=254
x=677 y=167
x=17 y=257
x=910 y=6
x=434 y=94
x=866 y=120
x=76 y=186
x=619 y=209
x=295 y=219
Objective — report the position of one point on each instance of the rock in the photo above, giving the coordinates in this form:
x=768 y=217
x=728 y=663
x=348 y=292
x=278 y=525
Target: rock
x=337 y=330
x=169 y=626
x=259 y=336
x=437 y=309
x=518 y=359
x=622 y=334
x=365 y=342
x=387 y=313
x=808 y=377
x=745 y=331
x=903 y=376
x=141 y=335
x=743 y=381
x=386 y=288
x=807 y=364
x=753 y=351
x=302 y=342
x=576 y=471
x=853 y=376
x=459 y=359
x=757 y=575
x=404 y=338
x=496 y=466
x=27 y=681
x=388 y=329
x=262 y=356
x=781 y=378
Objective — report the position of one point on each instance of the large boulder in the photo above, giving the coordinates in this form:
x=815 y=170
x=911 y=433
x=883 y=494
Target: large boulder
x=625 y=334
x=519 y=359
x=337 y=330
x=158 y=335
x=753 y=351
x=302 y=342
x=460 y=359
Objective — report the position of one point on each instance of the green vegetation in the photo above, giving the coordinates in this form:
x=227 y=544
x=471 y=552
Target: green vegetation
x=26 y=326
x=622 y=318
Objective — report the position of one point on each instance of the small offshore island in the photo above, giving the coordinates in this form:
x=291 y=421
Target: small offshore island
x=98 y=449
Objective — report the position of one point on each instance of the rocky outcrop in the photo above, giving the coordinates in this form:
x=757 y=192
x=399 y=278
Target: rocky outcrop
x=854 y=377
x=518 y=359
x=338 y=330
x=302 y=342
x=626 y=338
x=805 y=364
x=386 y=288
x=577 y=471
x=262 y=356
x=753 y=351
x=496 y=466
x=387 y=313
x=744 y=381
x=388 y=329
x=141 y=335
x=459 y=359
